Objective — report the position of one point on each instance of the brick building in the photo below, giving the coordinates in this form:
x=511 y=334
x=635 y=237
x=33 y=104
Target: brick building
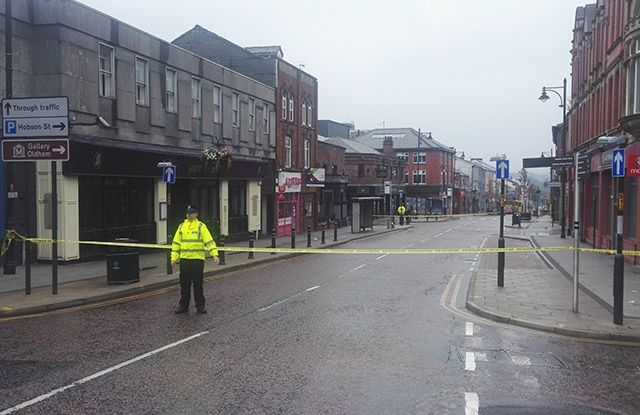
x=290 y=200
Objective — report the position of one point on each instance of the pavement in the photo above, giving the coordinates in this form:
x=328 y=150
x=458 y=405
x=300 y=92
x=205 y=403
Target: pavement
x=537 y=294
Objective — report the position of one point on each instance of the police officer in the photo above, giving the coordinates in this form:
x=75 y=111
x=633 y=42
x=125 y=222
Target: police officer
x=189 y=243
x=401 y=212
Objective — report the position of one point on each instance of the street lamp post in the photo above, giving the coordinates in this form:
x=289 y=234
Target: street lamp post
x=563 y=104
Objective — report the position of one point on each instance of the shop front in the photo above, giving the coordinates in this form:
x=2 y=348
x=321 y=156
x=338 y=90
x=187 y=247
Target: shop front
x=112 y=190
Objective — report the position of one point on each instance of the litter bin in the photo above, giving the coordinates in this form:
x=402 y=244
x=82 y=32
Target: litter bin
x=515 y=219
x=123 y=263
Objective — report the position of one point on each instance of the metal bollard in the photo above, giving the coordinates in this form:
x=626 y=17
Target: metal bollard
x=222 y=252
x=293 y=237
x=322 y=242
x=273 y=240
x=335 y=234
x=308 y=236
x=251 y=238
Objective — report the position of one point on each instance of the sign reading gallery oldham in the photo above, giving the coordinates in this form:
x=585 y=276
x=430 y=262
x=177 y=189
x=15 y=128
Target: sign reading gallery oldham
x=35 y=150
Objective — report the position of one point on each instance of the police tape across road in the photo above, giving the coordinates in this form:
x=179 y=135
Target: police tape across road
x=14 y=235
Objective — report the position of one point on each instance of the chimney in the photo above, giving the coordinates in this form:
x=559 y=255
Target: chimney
x=387 y=146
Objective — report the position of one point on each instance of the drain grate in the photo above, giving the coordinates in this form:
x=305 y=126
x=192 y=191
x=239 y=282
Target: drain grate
x=537 y=359
x=517 y=358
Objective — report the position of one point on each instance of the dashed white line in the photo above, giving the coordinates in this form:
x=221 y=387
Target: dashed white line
x=468 y=329
x=99 y=374
x=470 y=361
x=472 y=403
x=312 y=288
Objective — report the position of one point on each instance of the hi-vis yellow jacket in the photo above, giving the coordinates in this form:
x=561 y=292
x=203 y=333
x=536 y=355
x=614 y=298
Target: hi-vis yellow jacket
x=190 y=241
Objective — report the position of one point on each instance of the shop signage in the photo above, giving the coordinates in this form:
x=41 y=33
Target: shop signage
x=292 y=182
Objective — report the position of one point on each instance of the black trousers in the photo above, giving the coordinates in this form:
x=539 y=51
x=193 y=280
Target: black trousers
x=191 y=272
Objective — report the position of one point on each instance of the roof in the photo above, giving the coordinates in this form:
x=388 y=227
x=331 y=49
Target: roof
x=266 y=51
x=403 y=139
x=350 y=146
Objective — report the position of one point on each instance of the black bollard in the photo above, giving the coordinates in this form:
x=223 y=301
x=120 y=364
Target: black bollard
x=251 y=246
x=322 y=243
x=335 y=234
x=308 y=236
x=273 y=240
x=222 y=252
x=293 y=237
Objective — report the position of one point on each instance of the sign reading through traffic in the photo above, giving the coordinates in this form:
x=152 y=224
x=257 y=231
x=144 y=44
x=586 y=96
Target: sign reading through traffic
x=35 y=150
x=35 y=117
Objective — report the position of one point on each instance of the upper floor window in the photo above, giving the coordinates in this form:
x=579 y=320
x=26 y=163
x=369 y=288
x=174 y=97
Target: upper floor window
x=142 y=81
x=309 y=114
x=287 y=151
x=252 y=114
x=419 y=157
x=307 y=154
x=403 y=156
x=304 y=112
x=419 y=176
x=291 y=107
x=196 y=105
x=235 y=110
x=217 y=104
x=284 y=106
x=265 y=118
x=360 y=171
x=107 y=78
x=171 y=90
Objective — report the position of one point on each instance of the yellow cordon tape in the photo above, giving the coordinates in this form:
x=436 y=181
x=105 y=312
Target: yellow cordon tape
x=11 y=235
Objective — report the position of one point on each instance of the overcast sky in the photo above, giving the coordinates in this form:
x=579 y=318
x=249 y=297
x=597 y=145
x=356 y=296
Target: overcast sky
x=468 y=71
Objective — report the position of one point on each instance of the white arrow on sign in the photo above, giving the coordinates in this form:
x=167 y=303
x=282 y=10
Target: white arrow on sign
x=168 y=173
x=60 y=150
x=504 y=168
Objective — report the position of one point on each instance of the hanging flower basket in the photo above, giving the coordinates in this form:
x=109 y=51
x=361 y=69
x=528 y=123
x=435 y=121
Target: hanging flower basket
x=220 y=158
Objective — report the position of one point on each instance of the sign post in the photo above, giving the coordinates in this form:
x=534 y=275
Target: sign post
x=38 y=117
x=502 y=173
x=617 y=171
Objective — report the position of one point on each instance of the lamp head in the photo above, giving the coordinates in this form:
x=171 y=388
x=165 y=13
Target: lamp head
x=606 y=139
x=544 y=97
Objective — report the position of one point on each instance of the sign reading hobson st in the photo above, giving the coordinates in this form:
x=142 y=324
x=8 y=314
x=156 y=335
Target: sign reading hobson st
x=35 y=117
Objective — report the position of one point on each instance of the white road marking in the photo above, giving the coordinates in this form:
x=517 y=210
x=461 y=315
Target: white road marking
x=470 y=361
x=521 y=360
x=472 y=403
x=312 y=288
x=99 y=374
x=353 y=270
x=381 y=256
x=469 y=329
x=438 y=234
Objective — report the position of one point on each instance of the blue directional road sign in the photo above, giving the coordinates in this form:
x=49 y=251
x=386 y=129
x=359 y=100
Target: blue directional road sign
x=502 y=169
x=617 y=163
x=169 y=174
